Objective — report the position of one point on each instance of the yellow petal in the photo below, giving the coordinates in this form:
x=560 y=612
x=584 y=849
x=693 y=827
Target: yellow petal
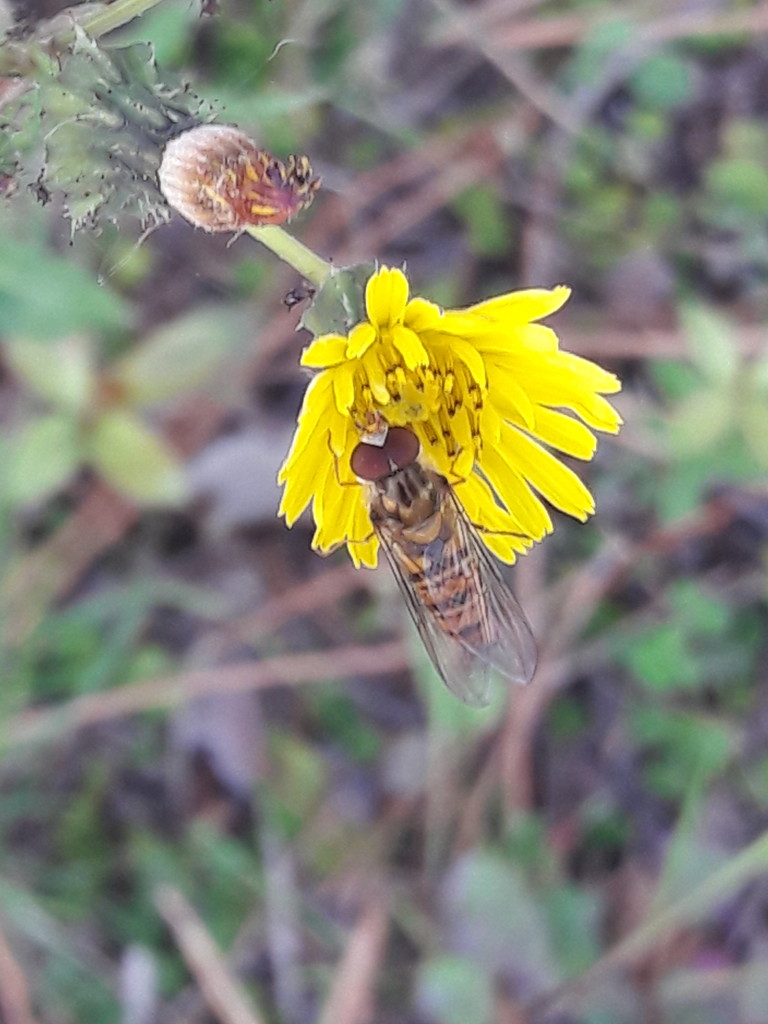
x=300 y=476
x=327 y=350
x=410 y=347
x=521 y=307
x=590 y=373
x=564 y=433
x=317 y=405
x=360 y=340
x=498 y=529
x=422 y=315
x=461 y=323
x=550 y=381
x=471 y=358
x=511 y=487
x=556 y=482
x=509 y=340
x=366 y=553
x=377 y=378
x=344 y=387
x=321 y=501
x=386 y=295
x=507 y=396
x=363 y=544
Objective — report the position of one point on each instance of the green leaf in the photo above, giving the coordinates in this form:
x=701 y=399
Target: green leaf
x=700 y=420
x=134 y=460
x=46 y=297
x=662 y=82
x=60 y=371
x=711 y=342
x=660 y=658
x=738 y=182
x=489 y=903
x=40 y=458
x=340 y=303
x=753 y=419
x=484 y=214
x=180 y=357
x=696 y=610
x=686 y=747
x=452 y=990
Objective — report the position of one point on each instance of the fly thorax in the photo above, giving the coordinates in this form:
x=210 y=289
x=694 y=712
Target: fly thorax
x=408 y=495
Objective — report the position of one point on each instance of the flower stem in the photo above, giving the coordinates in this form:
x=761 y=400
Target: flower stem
x=112 y=16
x=289 y=249
x=31 y=56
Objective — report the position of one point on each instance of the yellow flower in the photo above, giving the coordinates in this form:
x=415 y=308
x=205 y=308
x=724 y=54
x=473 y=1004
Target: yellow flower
x=483 y=388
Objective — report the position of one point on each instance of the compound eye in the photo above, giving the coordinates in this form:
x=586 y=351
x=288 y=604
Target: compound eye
x=400 y=449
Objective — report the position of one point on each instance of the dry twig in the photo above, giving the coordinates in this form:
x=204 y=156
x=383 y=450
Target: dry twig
x=204 y=959
x=14 y=990
x=350 y=1000
x=284 y=670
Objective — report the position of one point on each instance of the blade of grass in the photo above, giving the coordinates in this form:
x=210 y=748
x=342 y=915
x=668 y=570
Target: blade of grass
x=689 y=910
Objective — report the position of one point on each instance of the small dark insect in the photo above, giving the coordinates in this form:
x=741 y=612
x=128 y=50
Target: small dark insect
x=468 y=618
x=297 y=295
x=40 y=191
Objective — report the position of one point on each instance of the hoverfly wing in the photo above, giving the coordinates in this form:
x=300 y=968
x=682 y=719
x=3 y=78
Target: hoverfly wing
x=507 y=643
x=470 y=623
x=465 y=675
x=475 y=605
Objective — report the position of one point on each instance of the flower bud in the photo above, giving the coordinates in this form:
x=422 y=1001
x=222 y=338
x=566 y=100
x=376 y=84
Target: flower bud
x=219 y=180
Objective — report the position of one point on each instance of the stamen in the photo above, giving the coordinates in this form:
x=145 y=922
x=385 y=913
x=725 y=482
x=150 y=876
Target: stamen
x=392 y=384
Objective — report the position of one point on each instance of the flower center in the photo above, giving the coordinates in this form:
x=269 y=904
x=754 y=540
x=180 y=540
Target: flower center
x=442 y=397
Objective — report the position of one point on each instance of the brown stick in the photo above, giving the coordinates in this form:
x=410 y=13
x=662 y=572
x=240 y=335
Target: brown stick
x=350 y=1000
x=14 y=991
x=204 y=959
x=284 y=670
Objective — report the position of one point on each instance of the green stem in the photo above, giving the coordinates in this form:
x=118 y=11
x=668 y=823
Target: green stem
x=113 y=15
x=32 y=56
x=307 y=263
x=741 y=869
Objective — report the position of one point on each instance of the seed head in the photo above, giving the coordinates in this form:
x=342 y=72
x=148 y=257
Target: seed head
x=219 y=180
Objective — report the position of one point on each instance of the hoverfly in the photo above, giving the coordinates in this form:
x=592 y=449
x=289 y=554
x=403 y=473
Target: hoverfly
x=465 y=613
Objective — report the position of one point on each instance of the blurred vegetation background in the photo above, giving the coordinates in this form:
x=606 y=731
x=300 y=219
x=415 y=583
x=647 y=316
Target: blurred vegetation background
x=231 y=788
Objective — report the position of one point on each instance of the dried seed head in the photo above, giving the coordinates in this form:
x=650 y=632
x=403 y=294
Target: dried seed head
x=219 y=180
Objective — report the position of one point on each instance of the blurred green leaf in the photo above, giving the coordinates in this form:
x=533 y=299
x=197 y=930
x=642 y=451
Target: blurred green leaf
x=40 y=458
x=753 y=420
x=134 y=460
x=738 y=182
x=44 y=296
x=60 y=371
x=711 y=342
x=663 y=82
x=675 y=379
x=696 y=610
x=680 y=747
x=660 y=658
x=700 y=420
x=485 y=218
x=497 y=917
x=575 y=916
x=758 y=375
x=300 y=774
x=181 y=356
x=452 y=990
x=604 y=38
